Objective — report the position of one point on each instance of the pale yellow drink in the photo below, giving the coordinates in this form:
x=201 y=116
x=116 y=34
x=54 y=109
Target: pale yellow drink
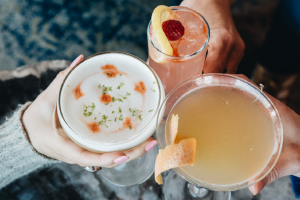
x=235 y=135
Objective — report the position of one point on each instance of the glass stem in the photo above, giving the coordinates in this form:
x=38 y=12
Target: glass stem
x=197 y=191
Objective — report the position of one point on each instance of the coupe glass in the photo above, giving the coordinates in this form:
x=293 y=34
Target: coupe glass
x=138 y=170
x=197 y=187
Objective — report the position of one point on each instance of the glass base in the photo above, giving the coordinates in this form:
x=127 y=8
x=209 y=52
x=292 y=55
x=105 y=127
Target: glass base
x=132 y=173
x=176 y=187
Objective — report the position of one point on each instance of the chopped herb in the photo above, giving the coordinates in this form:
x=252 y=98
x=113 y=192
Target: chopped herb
x=154 y=82
x=130 y=127
x=120 y=110
x=109 y=120
x=135 y=112
x=140 y=117
x=103 y=121
x=123 y=97
x=121 y=118
x=150 y=110
x=121 y=84
x=104 y=89
x=88 y=111
x=120 y=74
x=113 y=99
x=95 y=118
x=153 y=90
x=104 y=117
x=68 y=85
x=128 y=93
x=113 y=112
x=116 y=119
x=106 y=104
x=120 y=100
x=109 y=74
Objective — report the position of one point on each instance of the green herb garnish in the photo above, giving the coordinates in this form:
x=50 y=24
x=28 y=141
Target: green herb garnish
x=121 y=84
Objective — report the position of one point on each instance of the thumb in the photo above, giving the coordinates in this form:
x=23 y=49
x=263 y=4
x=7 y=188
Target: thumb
x=53 y=88
x=287 y=164
x=259 y=186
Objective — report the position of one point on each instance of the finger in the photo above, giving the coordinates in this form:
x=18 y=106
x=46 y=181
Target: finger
x=235 y=57
x=233 y=62
x=56 y=83
x=140 y=150
x=83 y=157
x=52 y=91
x=286 y=165
x=60 y=77
x=218 y=52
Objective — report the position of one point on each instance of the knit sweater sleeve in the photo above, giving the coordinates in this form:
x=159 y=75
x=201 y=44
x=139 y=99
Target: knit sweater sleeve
x=17 y=156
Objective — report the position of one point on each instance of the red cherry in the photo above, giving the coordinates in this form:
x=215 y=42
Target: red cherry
x=173 y=29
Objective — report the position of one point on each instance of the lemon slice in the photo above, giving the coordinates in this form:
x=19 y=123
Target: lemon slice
x=160 y=14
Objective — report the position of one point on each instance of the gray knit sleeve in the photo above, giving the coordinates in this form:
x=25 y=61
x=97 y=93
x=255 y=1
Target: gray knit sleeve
x=17 y=156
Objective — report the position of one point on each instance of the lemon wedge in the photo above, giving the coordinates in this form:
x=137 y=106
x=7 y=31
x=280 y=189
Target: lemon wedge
x=160 y=14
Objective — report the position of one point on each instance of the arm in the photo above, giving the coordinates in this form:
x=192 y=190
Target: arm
x=17 y=157
x=225 y=47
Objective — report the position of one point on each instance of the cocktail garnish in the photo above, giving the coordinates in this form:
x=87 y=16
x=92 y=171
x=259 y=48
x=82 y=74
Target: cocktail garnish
x=174 y=127
x=173 y=29
x=160 y=14
x=175 y=155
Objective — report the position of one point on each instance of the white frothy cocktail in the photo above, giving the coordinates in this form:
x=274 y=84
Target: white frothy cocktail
x=109 y=102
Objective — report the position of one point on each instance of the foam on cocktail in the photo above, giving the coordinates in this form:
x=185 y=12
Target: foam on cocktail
x=109 y=98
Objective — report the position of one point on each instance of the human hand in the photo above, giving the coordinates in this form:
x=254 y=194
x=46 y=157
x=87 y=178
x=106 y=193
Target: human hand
x=47 y=136
x=225 y=46
x=289 y=159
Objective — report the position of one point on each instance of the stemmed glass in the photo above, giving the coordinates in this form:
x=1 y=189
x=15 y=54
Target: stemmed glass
x=184 y=182
x=138 y=170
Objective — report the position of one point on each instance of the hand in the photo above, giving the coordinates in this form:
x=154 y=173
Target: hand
x=47 y=137
x=289 y=159
x=225 y=46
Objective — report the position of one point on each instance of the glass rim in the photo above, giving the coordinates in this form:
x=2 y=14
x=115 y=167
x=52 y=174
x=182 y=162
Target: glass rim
x=137 y=134
x=185 y=56
x=220 y=187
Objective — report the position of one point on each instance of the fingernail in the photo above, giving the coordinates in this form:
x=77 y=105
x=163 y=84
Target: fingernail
x=151 y=145
x=76 y=60
x=120 y=159
x=252 y=189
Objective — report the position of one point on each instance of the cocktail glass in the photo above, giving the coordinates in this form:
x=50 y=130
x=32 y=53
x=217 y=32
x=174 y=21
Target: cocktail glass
x=189 y=51
x=138 y=170
x=196 y=187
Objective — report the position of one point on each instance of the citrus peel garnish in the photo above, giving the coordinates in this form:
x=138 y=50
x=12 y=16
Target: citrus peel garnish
x=160 y=14
x=174 y=127
x=175 y=155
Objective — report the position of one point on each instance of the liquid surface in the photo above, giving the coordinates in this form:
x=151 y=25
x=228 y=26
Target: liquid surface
x=235 y=136
x=174 y=70
x=109 y=102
